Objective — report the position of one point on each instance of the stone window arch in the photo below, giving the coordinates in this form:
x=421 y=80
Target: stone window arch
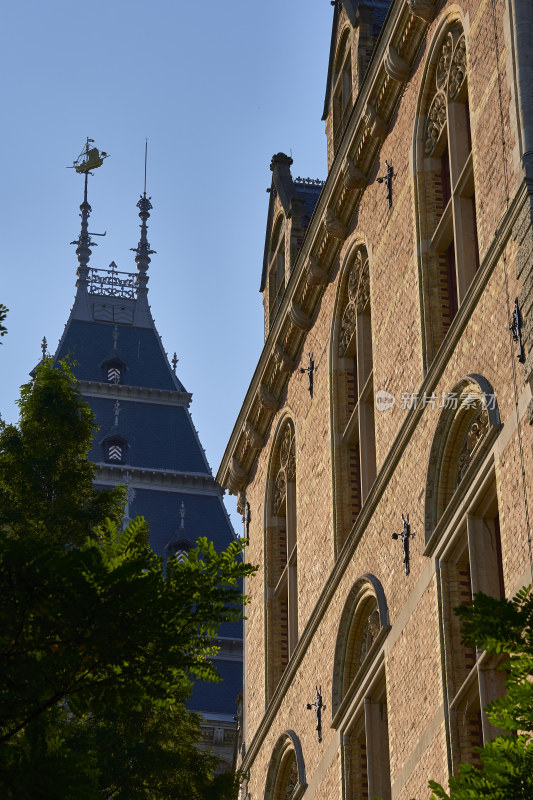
x=465 y=431
x=364 y=624
x=286 y=770
x=352 y=393
x=281 y=556
x=364 y=723
x=445 y=191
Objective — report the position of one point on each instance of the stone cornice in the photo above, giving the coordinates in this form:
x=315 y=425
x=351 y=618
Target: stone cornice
x=165 y=480
x=373 y=111
x=392 y=459
x=121 y=391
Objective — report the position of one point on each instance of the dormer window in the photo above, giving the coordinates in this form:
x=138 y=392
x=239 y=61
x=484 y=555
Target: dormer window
x=113 y=374
x=114 y=451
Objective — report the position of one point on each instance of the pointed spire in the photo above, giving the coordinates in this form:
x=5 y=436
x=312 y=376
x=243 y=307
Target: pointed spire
x=182 y=515
x=44 y=347
x=142 y=259
x=116 y=409
x=115 y=337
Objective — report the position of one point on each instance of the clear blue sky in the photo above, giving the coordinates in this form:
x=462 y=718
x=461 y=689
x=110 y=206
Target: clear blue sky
x=217 y=88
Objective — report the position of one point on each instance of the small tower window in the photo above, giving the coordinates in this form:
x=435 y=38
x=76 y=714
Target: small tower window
x=114 y=452
x=113 y=374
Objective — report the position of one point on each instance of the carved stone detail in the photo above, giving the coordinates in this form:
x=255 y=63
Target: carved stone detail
x=334 y=226
x=358 y=297
x=284 y=361
x=353 y=177
x=457 y=69
x=241 y=502
x=443 y=64
x=316 y=276
x=477 y=431
x=267 y=399
x=369 y=635
x=299 y=317
x=377 y=127
x=436 y=120
x=450 y=74
x=255 y=441
x=238 y=477
x=395 y=66
x=287 y=467
x=424 y=9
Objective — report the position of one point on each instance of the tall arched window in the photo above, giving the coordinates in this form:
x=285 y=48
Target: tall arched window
x=354 y=462
x=281 y=557
x=365 y=736
x=445 y=196
x=276 y=270
x=342 y=86
x=286 y=771
x=463 y=529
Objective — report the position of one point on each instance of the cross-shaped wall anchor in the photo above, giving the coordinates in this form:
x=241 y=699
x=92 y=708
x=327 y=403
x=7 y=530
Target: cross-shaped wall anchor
x=247 y=518
x=388 y=181
x=310 y=369
x=319 y=706
x=405 y=535
x=516 y=329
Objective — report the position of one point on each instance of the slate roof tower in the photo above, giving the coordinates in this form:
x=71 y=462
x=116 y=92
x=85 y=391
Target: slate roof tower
x=147 y=440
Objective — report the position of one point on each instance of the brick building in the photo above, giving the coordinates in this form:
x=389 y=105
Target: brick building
x=146 y=440
x=390 y=384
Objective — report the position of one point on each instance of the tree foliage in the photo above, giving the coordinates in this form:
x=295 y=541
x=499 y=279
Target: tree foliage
x=99 y=640
x=3 y=315
x=502 y=627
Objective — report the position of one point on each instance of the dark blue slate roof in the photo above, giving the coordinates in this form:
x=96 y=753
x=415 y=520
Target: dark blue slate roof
x=158 y=436
x=90 y=343
x=219 y=698
x=309 y=194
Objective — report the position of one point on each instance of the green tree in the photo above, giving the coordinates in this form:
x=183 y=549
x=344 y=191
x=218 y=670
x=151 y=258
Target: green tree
x=503 y=627
x=99 y=640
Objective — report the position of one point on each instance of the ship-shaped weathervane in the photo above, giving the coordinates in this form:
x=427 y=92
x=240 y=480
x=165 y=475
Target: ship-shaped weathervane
x=90 y=158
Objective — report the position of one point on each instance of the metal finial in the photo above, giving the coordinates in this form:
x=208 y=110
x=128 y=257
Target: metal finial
x=182 y=514
x=89 y=158
x=44 y=346
x=175 y=360
x=116 y=408
x=145 y=161
x=115 y=337
x=143 y=251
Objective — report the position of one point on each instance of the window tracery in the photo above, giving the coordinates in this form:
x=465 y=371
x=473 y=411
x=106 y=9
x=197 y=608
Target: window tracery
x=445 y=197
x=353 y=394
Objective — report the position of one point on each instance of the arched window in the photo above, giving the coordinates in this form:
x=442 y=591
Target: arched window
x=342 y=86
x=286 y=771
x=362 y=630
x=281 y=562
x=352 y=385
x=445 y=191
x=462 y=526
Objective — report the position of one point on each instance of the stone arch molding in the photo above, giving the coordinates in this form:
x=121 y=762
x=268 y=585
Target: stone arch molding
x=286 y=769
x=467 y=427
x=364 y=623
